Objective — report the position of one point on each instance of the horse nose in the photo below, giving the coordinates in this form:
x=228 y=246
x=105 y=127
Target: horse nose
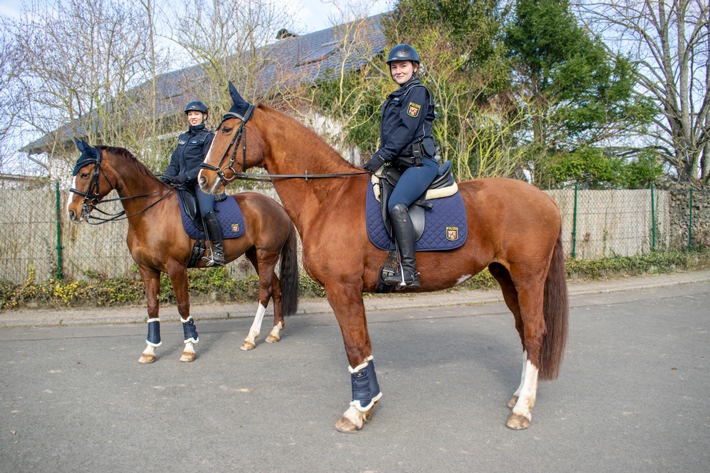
x=202 y=181
x=73 y=217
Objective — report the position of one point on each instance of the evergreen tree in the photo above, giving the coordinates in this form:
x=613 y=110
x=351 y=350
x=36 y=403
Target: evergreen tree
x=577 y=95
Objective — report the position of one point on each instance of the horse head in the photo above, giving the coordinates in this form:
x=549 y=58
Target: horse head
x=233 y=150
x=88 y=187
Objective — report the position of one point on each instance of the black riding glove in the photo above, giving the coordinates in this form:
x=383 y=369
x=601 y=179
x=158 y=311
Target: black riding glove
x=180 y=179
x=374 y=163
x=167 y=179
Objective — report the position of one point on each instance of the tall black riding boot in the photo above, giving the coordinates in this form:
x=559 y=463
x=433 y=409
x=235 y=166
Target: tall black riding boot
x=214 y=231
x=404 y=233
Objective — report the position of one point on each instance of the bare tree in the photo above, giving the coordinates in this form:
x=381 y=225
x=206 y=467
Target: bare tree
x=226 y=39
x=81 y=57
x=355 y=83
x=669 y=40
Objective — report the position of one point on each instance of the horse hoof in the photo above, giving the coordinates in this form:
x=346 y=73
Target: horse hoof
x=273 y=338
x=247 y=345
x=512 y=402
x=146 y=359
x=517 y=422
x=346 y=426
x=188 y=357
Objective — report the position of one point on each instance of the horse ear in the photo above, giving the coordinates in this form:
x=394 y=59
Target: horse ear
x=236 y=98
x=79 y=144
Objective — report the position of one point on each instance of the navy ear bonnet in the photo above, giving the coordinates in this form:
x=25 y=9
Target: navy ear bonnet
x=239 y=105
x=89 y=155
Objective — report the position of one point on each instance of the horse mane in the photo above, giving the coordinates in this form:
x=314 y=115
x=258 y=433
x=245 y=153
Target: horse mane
x=310 y=142
x=127 y=156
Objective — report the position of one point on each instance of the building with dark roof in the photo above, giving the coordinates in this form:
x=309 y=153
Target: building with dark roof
x=289 y=61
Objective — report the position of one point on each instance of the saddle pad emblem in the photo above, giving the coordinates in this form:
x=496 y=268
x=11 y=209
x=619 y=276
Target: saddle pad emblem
x=235 y=227
x=452 y=233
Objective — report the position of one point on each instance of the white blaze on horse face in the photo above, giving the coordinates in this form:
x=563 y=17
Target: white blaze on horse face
x=71 y=198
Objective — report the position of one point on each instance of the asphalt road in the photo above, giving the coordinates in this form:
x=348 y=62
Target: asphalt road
x=631 y=397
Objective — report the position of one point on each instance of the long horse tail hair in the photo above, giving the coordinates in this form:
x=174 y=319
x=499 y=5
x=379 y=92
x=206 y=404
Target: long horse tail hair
x=556 y=309
x=289 y=274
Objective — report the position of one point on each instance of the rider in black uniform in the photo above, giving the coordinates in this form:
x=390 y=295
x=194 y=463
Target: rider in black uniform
x=184 y=166
x=406 y=142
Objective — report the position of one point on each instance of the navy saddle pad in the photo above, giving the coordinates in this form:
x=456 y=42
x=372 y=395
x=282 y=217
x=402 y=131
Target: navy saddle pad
x=228 y=213
x=446 y=227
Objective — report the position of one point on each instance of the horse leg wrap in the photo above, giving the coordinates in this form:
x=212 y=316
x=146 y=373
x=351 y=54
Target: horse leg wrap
x=375 y=392
x=153 y=338
x=189 y=331
x=364 y=385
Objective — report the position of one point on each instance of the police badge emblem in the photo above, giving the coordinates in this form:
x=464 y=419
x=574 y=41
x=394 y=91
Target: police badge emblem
x=452 y=233
x=413 y=109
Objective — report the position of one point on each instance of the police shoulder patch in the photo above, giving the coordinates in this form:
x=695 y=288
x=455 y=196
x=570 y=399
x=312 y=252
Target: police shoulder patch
x=413 y=109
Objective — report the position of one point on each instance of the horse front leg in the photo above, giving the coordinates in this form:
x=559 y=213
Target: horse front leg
x=349 y=310
x=178 y=279
x=151 y=282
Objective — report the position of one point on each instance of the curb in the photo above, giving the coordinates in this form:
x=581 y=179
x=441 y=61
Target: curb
x=373 y=302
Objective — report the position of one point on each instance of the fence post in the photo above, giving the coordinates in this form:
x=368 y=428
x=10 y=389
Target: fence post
x=574 y=225
x=690 y=226
x=653 y=220
x=60 y=273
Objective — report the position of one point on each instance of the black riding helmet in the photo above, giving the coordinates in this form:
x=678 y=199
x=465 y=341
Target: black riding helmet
x=403 y=52
x=196 y=105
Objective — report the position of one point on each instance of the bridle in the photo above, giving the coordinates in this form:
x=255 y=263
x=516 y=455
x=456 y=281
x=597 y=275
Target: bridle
x=241 y=136
x=236 y=139
x=92 y=199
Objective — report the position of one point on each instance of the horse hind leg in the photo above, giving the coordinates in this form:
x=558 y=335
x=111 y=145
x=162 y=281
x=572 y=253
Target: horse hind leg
x=526 y=306
x=265 y=265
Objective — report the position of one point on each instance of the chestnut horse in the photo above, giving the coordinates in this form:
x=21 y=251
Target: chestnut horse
x=514 y=230
x=158 y=242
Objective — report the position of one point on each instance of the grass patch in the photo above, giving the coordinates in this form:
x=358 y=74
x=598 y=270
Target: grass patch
x=215 y=285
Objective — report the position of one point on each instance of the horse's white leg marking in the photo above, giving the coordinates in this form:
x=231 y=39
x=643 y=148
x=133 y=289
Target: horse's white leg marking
x=516 y=394
x=275 y=334
x=250 y=341
x=528 y=392
x=148 y=355
x=463 y=279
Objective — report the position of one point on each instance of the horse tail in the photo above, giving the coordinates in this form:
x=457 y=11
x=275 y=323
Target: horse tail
x=289 y=273
x=556 y=309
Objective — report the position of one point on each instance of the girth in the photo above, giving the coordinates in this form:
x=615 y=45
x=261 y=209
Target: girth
x=386 y=178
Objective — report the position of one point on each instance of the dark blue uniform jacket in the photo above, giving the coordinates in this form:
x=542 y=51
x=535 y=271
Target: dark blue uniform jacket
x=191 y=150
x=407 y=117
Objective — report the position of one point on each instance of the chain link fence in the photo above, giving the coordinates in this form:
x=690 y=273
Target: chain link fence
x=36 y=238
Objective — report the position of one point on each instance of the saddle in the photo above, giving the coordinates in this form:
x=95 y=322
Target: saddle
x=386 y=178
x=191 y=207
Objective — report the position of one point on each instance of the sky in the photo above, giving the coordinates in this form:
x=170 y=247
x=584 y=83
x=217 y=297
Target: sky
x=314 y=15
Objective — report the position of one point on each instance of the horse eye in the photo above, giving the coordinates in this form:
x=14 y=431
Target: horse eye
x=226 y=130
x=84 y=175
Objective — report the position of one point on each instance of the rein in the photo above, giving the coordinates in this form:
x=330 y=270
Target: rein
x=91 y=198
x=237 y=138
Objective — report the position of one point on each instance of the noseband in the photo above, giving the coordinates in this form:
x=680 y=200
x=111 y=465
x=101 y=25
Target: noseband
x=239 y=136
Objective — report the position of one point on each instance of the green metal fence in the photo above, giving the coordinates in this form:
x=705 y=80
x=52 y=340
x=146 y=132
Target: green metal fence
x=36 y=239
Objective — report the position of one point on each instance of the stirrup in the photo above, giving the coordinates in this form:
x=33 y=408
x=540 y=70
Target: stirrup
x=210 y=261
x=398 y=280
